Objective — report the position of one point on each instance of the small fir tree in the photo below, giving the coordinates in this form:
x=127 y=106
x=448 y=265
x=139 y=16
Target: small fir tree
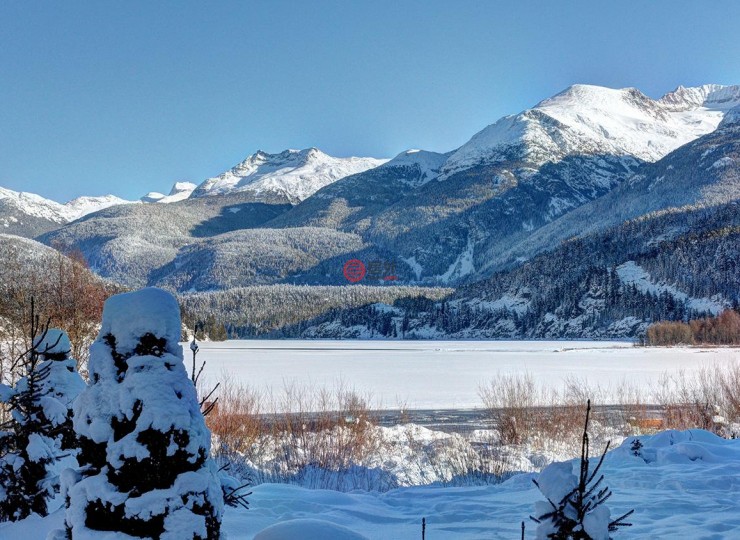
x=39 y=434
x=575 y=508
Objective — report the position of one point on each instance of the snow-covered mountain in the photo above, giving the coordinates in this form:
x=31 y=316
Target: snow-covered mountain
x=708 y=96
x=705 y=172
x=586 y=119
x=442 y=218
x=511 y=178
x=28 y=214
x=82 y=206
x=32 y=205
x=179 y=192
x=293 y=175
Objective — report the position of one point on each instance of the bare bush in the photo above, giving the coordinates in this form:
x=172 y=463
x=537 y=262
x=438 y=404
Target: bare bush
x=509 y=400
x=235 y=421
x=300 y=431
x=634 y=410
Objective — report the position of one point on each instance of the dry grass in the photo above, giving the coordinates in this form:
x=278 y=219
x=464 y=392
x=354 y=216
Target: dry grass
x=523 y=412
x=316 y=435
x=330 y=429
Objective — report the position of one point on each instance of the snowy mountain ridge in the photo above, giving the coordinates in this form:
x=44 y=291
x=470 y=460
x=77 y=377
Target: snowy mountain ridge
x=592 y=120
x=292 y=174
x=711 y=96
x=82 y=206
x=40 y=207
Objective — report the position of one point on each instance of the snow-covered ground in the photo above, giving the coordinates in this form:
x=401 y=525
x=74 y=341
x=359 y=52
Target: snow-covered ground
x=684 y=485
x=446 y=374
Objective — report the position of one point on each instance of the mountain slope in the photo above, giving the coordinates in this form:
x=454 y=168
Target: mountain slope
x=128 y=242
x=674 y=265
x=290 y=176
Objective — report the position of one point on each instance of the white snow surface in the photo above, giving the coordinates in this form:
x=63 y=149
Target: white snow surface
x=308 y=529
x=445 y=374
x=683 y=485
x=295 y=174
x=54 y=341
x=586 y=119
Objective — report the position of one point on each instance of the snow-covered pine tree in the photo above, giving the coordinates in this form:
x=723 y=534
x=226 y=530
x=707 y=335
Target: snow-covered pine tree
x=39 y=433
x=145 y=459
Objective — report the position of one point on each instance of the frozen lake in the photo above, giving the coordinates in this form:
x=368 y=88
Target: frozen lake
x=443 y=374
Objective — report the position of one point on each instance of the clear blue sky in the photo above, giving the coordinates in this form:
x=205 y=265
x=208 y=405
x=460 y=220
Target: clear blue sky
x=127 y=97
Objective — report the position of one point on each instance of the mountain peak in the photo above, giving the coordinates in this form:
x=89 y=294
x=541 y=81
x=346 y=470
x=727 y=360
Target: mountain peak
x=81 y=206
x=291 y=174
x=423 y=164
x=182 y=187
x=179 y=192
x=710 y=96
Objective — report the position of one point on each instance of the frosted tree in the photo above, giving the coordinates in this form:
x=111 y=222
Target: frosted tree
x=145 y=459
x=575 y=508
x=38 y=437
x=63 y=384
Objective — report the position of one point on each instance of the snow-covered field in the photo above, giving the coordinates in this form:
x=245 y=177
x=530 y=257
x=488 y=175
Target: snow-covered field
x=445 y=374
x=684 y=485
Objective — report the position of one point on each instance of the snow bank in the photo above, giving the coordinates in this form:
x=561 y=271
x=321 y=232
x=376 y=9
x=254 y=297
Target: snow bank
x=679 y=494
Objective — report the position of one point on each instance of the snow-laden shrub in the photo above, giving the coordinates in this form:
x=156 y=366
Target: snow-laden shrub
x=39 y=435
x=144 y=447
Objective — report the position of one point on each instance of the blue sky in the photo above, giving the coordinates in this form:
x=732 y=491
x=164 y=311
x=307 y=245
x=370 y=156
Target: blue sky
x=128 y=97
